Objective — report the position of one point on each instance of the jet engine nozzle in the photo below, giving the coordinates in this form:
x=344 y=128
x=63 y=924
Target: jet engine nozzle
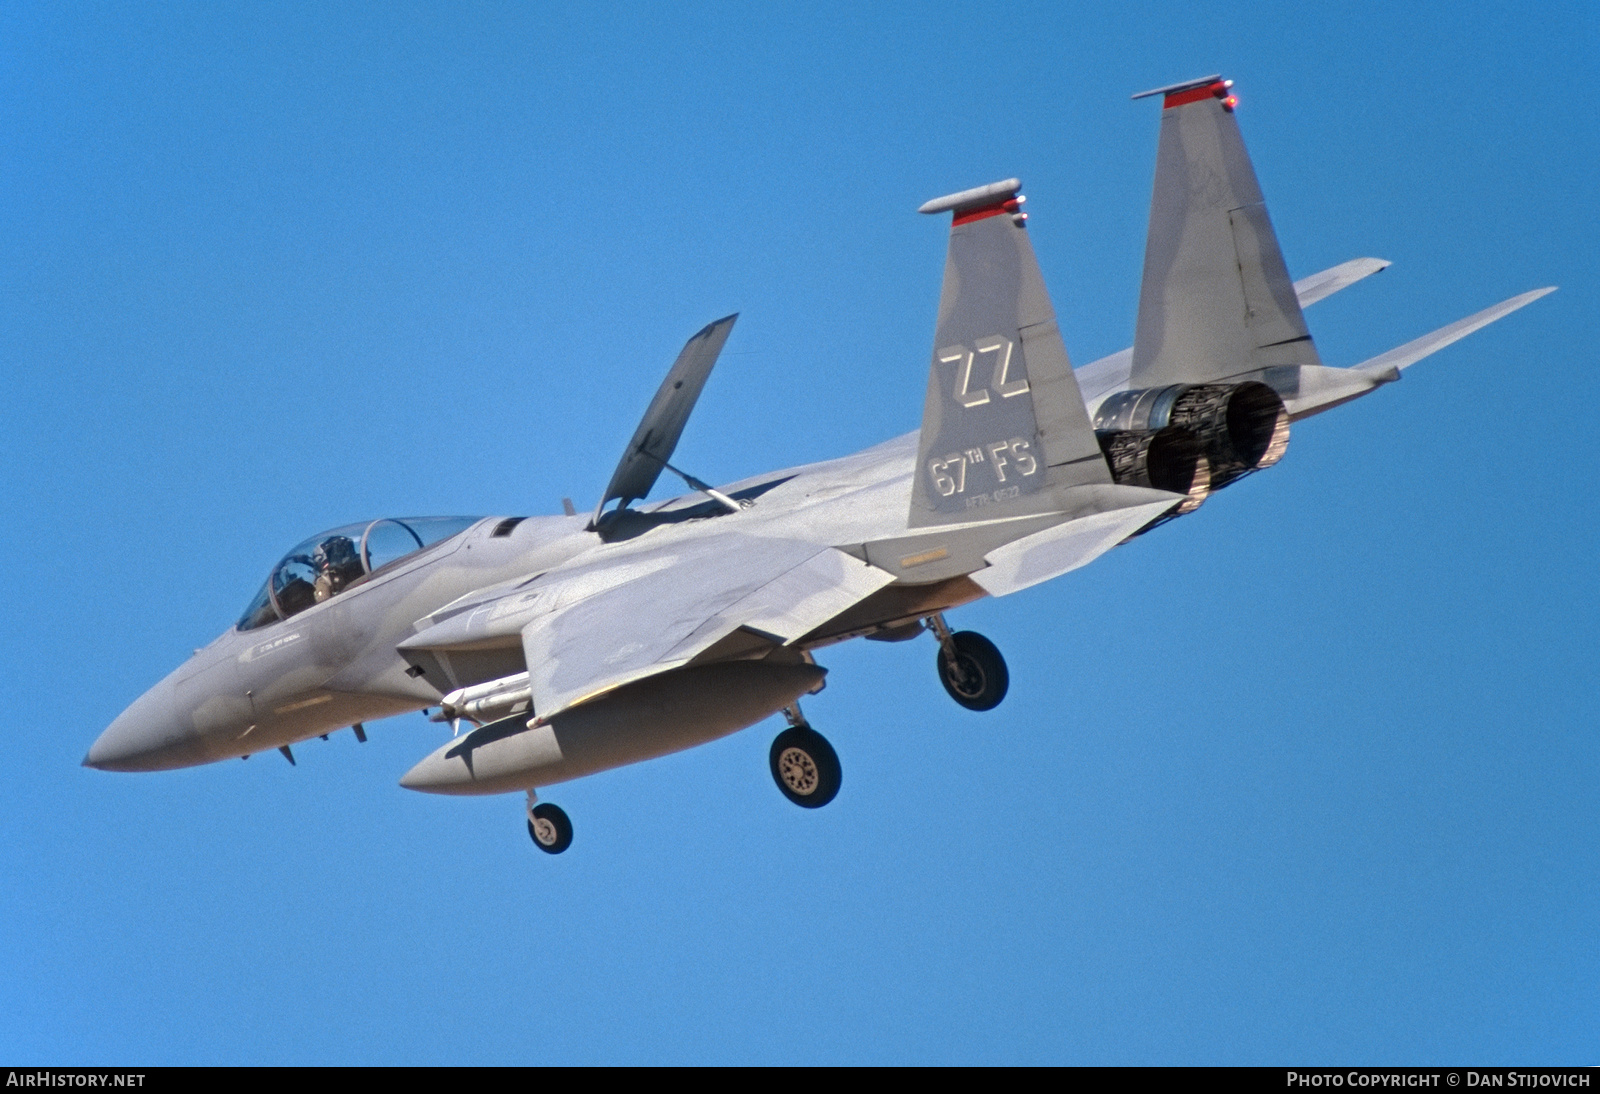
x=1240 y=427
x=1164 y=459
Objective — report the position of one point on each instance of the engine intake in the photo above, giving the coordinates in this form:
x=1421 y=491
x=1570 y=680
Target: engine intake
x=1165 y=459
x=1240 y=427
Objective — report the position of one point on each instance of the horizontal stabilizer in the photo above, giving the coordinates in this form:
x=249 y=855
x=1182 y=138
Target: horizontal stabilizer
x=940 y=552
x=1055 y=551
x=1311 y=389
x=657 y=436
x=1409 y=354
x=1110 y=373
x=1320 y=286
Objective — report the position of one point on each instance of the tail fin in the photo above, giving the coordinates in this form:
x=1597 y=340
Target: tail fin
x=1004 y=425
x=1216 y=299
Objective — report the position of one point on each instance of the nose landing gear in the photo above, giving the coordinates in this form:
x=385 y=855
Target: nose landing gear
x=548 y=826
x=970 y=667
x=804 y=764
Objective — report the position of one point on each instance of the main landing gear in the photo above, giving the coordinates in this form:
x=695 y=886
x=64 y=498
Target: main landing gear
x=970 y=667
x=804 y=764
x=548 y=826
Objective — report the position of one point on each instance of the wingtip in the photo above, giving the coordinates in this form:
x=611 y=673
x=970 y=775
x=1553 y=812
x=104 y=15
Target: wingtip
x=1522 y=300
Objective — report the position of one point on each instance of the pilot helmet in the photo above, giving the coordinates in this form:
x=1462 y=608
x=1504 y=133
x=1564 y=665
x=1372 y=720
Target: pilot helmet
x=334 y=551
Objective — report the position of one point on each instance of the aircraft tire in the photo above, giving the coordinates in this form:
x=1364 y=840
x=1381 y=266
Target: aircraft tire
x=805 y=767
x=975 y=675
x=549 y=828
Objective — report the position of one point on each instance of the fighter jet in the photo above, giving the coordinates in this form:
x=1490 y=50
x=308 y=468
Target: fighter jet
x=561 y=646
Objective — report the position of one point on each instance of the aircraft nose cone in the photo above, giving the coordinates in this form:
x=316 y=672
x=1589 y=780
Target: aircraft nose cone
x=149 y=736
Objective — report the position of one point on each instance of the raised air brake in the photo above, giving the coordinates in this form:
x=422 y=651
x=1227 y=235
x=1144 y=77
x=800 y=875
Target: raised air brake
x=657 y=437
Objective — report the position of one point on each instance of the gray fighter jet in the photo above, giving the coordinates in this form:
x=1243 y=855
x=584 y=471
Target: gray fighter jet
x=561 y=646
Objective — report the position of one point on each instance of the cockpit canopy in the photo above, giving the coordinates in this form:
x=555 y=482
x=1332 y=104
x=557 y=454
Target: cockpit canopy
x=327 y=564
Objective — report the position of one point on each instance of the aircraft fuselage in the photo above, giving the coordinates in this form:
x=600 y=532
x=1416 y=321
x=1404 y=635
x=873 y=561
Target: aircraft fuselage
x=335 y=664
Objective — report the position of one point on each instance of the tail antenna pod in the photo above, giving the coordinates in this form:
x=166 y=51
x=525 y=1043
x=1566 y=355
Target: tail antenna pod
x=980 y=202
x=1193 y=91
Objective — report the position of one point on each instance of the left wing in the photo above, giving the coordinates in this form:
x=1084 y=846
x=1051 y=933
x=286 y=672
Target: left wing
x=595 y=627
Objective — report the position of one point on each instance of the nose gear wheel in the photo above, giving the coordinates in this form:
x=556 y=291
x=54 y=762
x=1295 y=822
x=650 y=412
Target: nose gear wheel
x=549 y=828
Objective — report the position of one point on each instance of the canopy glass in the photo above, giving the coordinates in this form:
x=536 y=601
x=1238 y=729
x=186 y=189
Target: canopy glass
x=327 y=564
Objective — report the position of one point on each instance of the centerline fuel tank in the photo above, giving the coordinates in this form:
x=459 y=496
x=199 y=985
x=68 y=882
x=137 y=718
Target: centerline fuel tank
x=639 y=721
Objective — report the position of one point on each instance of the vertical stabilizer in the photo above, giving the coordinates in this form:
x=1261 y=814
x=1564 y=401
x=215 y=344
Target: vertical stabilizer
x=1004 y=425
x=1216 y=299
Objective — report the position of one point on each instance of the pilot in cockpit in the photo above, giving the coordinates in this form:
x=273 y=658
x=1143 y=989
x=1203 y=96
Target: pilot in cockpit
x=337 y=565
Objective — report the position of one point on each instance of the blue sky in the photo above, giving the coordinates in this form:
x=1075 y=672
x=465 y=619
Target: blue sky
x=1307 y=777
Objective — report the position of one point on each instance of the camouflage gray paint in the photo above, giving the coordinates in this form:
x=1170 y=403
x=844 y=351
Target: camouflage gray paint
x=1003 y=418
x=657 y=628
x=1211 y=255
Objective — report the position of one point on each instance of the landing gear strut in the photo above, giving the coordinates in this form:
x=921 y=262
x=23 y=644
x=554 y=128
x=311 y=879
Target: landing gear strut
x=970 y=667
x=548 y=826
x=804 y=764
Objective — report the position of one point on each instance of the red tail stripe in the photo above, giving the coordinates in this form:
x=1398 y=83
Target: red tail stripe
x=1194 y=95
x=1009 y=205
